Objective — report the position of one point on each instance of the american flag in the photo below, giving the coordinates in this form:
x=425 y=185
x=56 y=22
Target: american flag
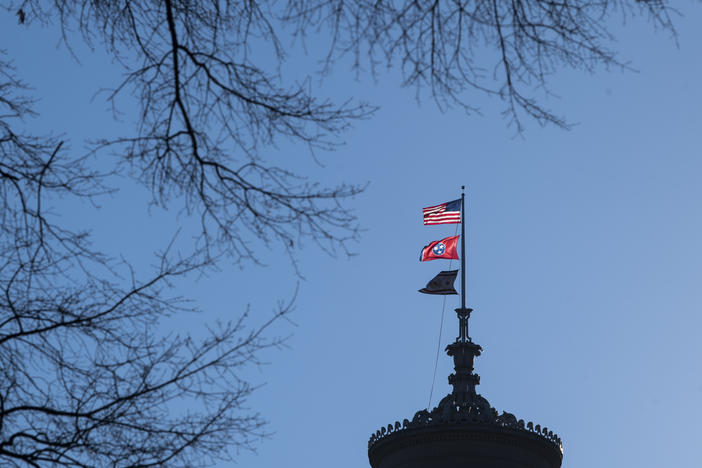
x=446 y=213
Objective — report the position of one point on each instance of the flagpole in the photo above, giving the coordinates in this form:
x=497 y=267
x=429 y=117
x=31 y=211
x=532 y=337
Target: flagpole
x=464 y=313
x=463 y=247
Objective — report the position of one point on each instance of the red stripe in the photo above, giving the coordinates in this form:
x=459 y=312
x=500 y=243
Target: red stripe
x=447 y=221
x=443 y=213
x=443 y=219
x=443 y=216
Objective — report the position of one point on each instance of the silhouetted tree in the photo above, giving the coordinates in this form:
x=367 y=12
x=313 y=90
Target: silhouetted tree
x=85 y=378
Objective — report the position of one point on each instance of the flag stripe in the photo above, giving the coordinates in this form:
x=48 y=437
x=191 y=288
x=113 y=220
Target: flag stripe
x=443 y=213
x=447 y=214
x=445 y=220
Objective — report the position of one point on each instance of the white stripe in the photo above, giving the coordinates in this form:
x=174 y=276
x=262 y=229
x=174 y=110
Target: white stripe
x=444 y=213
x=443 y=216
x=445 y=221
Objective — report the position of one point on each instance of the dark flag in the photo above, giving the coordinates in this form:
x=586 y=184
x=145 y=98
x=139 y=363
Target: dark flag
x=446 y=213
x=444 y=248
x=441 y=284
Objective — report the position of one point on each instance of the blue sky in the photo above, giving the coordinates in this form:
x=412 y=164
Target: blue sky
x=583 y=253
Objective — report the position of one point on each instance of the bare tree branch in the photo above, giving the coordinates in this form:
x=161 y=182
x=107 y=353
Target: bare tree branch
x=86 y=377
x=505 y=48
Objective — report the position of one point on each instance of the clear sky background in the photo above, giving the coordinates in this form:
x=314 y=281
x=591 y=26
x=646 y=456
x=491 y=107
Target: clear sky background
x=583 y=250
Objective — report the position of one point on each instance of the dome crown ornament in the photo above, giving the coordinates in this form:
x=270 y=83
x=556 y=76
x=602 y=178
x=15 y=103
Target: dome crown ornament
x=464 y=406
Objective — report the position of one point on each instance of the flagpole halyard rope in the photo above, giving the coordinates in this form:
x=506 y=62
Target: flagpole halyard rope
x=438 y=348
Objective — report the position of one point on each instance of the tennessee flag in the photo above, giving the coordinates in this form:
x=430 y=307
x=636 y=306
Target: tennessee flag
x=444 y=248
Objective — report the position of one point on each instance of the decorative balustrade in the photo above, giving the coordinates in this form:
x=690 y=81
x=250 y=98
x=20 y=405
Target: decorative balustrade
x=477 y=412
